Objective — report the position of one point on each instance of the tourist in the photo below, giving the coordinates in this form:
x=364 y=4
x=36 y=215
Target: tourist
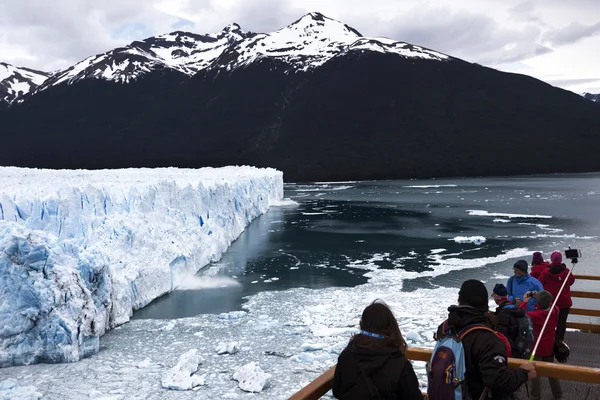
x=553 y=278
x=485 y=354
x=374 y=362
x=538 y=265
x=507 y=322
x=520 y=283
x=545 y=349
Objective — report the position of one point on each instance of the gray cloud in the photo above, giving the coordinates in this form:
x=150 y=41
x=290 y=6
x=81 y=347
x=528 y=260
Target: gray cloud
x=571 y=82
x=571 y=33
x=474 y=37
x=56 y=34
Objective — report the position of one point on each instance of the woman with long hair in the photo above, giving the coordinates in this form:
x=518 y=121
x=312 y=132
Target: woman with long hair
x=373 y=364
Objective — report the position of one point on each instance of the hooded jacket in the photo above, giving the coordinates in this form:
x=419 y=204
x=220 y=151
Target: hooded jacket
x=390 y=371
x=536 y=270
x=538 y=317
x=485 y=356
x=553 y=278
x=517 y=287
x=507 y=315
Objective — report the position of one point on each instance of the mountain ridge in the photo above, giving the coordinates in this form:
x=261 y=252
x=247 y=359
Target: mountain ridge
x=306 y=43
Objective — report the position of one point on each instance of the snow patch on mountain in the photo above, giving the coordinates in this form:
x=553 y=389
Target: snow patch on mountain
x=592 y=97
x=80 y=250
x=15 y=82
x=305 y=44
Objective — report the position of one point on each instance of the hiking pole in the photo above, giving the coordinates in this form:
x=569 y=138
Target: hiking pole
x=537 y=342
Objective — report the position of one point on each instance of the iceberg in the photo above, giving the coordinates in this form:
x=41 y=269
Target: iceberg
x=251 y=378
x=81 y=250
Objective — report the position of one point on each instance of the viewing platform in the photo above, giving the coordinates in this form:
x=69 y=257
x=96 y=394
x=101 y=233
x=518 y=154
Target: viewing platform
x=580 y=376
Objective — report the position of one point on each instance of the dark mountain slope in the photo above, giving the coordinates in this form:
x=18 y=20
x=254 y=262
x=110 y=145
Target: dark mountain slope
x=363 y=115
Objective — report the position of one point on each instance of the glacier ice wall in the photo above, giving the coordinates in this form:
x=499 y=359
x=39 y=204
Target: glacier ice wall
x=80 y=250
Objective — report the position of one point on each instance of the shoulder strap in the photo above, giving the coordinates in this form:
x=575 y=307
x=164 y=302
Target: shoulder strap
x=512 y=284
x=486 y=392
x=472 y=328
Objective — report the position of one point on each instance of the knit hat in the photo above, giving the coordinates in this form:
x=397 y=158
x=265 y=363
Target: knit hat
x=537 y=258
x=500 y=290
x=556 y=258
x=500 y=293
x=522 y=265
x=543 y=299
x=473 y=293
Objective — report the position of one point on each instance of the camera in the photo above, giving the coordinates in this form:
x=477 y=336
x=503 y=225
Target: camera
x=532 y=293
x=573 y=254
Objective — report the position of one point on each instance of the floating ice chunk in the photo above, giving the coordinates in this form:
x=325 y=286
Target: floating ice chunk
x=313 y=346
x=228 y=348
x=169 y=326
x=181 y=376
x=310 y=358
x=233 y=315
x=322 y=331
x=251 y=378
x=11 y=390
x=144 y=364
x=469 y=239
x=413 y=336
x=338 y=347
x=501 y=220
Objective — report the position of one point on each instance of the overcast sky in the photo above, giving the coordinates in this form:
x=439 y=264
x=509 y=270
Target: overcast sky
x=554 y=40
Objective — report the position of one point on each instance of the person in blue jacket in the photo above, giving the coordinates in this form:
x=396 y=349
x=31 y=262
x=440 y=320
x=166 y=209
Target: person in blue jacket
x=520 y=283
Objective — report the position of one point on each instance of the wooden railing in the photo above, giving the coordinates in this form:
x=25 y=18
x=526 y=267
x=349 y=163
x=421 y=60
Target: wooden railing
x=322 y=384
x=584 y=311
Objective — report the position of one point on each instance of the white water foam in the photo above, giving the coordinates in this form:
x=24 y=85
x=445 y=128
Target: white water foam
x=283 y=203
x=428 y=186
x=194 y=282
x=484 y=213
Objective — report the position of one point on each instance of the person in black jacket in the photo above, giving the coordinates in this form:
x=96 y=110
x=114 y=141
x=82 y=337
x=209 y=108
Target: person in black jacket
x=373 y=364
x=485 y=354
x=507 y=317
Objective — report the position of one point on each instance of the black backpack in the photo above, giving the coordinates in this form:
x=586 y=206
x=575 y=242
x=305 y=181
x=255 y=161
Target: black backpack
x=523 y=343
x=561 y=351
x=370 y=385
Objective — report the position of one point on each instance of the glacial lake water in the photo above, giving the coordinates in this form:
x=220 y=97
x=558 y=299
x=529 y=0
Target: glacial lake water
x=428 y=231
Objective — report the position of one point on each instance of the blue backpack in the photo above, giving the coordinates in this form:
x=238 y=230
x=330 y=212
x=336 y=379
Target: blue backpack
x=446 y=369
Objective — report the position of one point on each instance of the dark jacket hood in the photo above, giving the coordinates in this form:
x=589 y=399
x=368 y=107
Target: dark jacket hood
x=557 y=268
x=371 y=359
x=462 y=316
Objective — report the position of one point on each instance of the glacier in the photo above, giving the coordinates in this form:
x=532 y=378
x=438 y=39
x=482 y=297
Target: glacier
x=80 y=250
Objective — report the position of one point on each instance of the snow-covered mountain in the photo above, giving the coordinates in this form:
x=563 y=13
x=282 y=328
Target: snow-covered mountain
x=593 y=97
x=17 y=81
x=306 y=43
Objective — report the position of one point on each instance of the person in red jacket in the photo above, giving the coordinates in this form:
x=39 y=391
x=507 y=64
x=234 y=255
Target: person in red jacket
x=552 y=279
x=545 y=349
x=538 y=265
